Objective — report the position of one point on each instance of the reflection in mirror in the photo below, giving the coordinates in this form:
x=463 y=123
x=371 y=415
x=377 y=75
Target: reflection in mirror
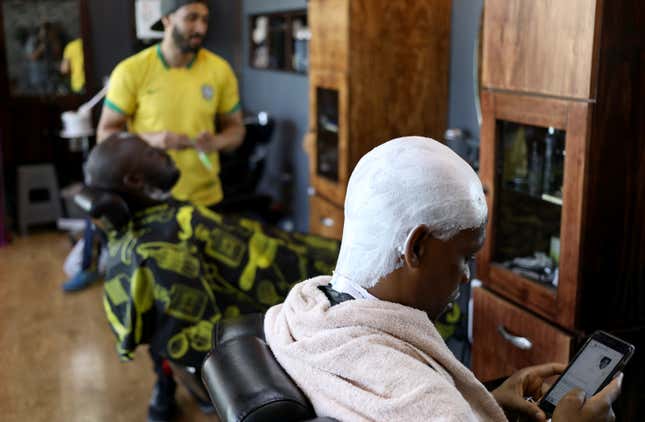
x=43 y=46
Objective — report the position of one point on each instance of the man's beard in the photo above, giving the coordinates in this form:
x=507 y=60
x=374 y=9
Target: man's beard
x=183 y=42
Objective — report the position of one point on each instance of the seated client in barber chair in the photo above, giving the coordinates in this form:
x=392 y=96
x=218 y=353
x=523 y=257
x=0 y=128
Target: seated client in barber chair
x=175 y=269
x=362 y=345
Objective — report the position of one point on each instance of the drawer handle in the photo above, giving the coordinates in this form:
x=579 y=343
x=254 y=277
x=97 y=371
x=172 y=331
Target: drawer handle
x=520 y=342
x=327 y=222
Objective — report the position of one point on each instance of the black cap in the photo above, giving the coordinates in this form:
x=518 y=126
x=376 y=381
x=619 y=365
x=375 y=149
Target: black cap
x=169 y=6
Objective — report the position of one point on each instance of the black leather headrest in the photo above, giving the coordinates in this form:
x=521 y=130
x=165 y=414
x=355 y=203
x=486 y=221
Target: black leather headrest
x=105 y=205
x=244 y=380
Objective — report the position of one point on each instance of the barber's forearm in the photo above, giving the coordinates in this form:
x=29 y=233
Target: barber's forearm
x=104 y=131
x=230 y=138
x=154 y=139
x=111 y=122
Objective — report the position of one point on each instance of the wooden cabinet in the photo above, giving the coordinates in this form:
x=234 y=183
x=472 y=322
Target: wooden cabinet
x=325 y=218
x=378 y=70
x=562 y=158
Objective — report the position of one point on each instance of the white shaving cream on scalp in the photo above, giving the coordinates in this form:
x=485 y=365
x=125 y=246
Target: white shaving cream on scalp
x=393 y=189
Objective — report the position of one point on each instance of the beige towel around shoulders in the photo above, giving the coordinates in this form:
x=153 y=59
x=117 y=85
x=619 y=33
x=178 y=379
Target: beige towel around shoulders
x=371 y=360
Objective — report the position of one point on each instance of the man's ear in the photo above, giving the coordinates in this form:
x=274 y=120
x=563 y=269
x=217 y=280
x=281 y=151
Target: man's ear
x=166 y=21
x=133 y=181
x=413 y=248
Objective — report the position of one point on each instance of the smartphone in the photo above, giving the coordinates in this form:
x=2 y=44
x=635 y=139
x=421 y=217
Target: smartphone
x=593 y=367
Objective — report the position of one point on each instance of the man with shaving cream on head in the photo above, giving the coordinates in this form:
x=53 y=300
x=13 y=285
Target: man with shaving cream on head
x=362 y=344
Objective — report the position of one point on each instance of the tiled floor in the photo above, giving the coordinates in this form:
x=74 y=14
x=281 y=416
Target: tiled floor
x=58 y=361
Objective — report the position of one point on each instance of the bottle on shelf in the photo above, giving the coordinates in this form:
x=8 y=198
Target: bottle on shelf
x=535 y=167
x=548 y=181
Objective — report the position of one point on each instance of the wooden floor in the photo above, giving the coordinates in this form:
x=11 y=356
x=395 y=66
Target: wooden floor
x=58 y=360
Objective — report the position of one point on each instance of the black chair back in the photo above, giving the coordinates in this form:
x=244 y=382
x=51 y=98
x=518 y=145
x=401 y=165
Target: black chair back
x=244 y=380
x=242 y=168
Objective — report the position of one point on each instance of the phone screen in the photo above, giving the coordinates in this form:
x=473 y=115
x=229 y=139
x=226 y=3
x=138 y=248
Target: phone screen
x=587 y=372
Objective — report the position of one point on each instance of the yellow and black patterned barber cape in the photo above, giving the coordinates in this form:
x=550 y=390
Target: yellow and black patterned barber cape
x=177 y=269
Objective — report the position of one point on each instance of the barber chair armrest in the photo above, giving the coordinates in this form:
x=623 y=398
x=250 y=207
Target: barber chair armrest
x=246 y=383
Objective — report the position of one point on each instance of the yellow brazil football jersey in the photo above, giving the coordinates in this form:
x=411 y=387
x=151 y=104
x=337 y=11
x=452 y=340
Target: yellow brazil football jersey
x=157 y=97
x=74 y=53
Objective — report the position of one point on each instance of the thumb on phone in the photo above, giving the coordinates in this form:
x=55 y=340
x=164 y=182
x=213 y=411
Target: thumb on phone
x=609 y=394
x=569 y=406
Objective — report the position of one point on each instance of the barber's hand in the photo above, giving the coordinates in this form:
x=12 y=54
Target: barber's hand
x=207 y=142
x=173 y=140
x=167 y=140
x=573 y=407
x=527 y=382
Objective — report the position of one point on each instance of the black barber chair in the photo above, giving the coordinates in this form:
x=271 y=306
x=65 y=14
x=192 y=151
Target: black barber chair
x=245 y=382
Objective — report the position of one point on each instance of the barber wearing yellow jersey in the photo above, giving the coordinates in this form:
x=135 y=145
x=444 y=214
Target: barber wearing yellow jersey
x=171 y=95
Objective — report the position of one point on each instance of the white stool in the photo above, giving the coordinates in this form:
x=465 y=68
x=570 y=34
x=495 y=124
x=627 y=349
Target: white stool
x=37 y=177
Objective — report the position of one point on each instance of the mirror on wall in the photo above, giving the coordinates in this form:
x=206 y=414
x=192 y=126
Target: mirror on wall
x=43 y=47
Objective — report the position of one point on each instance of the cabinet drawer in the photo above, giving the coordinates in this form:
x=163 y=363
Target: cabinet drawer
x=507 y=338
x=325 y=219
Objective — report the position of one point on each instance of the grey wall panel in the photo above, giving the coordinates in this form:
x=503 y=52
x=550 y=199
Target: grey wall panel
x=286 y=96
x=113 y=36
x=225 y=32
x=465 y=27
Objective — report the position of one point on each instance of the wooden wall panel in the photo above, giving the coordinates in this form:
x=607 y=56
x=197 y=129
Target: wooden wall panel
x=544 y=46
x=399 y=59
x=614 y=270
x=328 y=20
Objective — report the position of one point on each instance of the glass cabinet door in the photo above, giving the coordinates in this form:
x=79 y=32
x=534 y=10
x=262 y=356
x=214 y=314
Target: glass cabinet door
x=529 y=172
x=329 y=127
x=327 y=135
x=533 y=165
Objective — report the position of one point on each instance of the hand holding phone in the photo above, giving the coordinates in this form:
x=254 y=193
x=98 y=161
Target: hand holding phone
x=573 y=407
x=527 y=382
x=591 y=370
